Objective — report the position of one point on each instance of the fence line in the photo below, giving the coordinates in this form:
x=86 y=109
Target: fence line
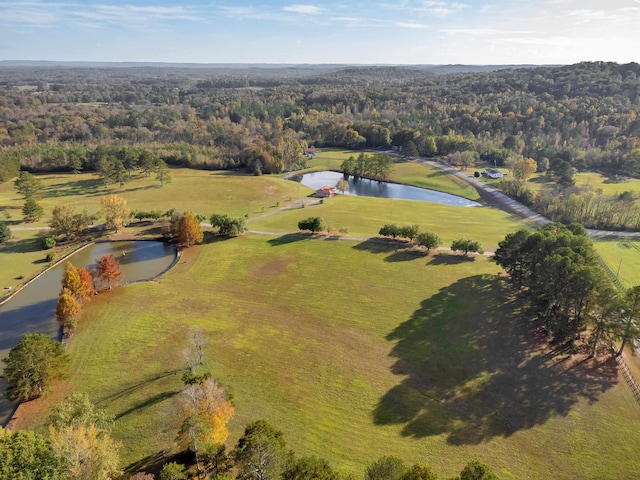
x=628 y=376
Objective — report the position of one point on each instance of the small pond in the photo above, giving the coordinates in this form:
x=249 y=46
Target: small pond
x=372 y=188
x=33 y=309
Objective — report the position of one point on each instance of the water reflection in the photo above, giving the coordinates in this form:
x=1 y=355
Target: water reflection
x=371 y=188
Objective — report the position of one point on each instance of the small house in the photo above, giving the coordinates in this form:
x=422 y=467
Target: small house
x=310 y=152
x=492 y=173
x=325 y=192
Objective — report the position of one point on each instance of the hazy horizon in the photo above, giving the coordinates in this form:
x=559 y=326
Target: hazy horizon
x=324 y=32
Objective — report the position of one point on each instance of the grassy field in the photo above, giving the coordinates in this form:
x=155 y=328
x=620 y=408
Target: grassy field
x=608 y=186
x=623 y=259
x=200 y=191
x=330 y=342
x=363 y=217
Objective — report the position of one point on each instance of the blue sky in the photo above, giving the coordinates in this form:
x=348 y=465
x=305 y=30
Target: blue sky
x=360 y=32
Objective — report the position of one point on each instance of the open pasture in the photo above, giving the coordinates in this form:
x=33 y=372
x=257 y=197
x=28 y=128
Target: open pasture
x=356 y=351
x=363 y=217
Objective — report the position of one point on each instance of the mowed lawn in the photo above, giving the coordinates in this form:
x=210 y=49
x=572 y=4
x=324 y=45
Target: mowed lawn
x=203 y=192
x=355 y=351
x=623 y=259
x=363 y=217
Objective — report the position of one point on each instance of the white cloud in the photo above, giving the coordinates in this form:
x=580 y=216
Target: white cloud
x=412 y=25
x=304 y=9
x=484 y=31
x=432 y=7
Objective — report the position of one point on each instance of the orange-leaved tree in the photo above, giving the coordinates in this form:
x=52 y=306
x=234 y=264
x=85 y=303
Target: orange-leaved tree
x=189 y=230
x=77 y=282
x=86 y=287
x=108 y=270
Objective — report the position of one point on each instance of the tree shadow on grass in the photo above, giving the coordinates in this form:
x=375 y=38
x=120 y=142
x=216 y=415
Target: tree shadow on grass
x=136 y=386
x=398 y=251
x=471 y=369
x=287 y=238
x=160 y=397
x=87 y=186
x=405 y=255
x=450 y=259
x=153 y=463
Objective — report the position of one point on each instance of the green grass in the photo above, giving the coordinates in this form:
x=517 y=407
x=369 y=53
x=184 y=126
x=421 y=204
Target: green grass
x=200 y=191
x=356 y=351
x=363 y=217
x=623 y=259
x=22 y=257
x=609 y=186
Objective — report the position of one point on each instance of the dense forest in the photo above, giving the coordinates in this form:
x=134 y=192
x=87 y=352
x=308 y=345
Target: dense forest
x=71 y=118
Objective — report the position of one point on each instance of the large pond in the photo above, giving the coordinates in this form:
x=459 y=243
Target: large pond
x=372 y=188
x=33 y=309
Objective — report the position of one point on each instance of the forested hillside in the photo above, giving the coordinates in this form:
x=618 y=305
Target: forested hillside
x=54 y=118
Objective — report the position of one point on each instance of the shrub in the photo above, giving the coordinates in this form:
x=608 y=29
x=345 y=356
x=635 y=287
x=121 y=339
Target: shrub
x=50 y=257
x=48 y=242
x=173 y=471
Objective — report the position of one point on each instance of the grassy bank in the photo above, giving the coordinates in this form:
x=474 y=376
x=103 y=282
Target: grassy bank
x=356 y=351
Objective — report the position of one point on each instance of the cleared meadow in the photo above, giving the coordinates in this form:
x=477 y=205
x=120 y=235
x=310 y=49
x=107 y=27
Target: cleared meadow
x=357 y=351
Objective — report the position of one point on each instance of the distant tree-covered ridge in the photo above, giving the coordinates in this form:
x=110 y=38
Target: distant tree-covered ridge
x=80 y=119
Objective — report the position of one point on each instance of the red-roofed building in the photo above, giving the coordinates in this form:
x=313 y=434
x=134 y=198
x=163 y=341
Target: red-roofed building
x=326 y=191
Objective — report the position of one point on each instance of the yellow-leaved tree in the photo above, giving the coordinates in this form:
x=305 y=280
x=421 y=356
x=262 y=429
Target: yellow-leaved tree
x=115 y=211
x=204 y=411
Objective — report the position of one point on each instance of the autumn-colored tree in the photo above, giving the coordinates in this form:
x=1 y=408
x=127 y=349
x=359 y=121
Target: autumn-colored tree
x=77 y=282
x=79 y=434
x=115 y=210
x=522 y=168
x=108 y=270
x=87 y=452
x=342 y=185
x=205 y=412
x=65 y=222
x=86 y=284
x=189 y=230
x=67 y=307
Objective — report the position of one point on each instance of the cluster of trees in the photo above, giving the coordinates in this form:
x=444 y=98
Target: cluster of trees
x=261 y=453
x=585 y=113
x=428 y=240
x=77 y=446
x=559 y=273
x=585 y=204
x=5 y=232
x=375 y=166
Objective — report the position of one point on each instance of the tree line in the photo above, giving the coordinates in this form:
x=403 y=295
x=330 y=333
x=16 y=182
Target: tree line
x=557 y=271
x=585 y=114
